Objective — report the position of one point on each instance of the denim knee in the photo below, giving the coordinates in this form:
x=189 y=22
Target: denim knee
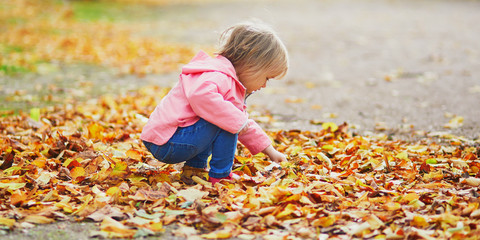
x=171 y=152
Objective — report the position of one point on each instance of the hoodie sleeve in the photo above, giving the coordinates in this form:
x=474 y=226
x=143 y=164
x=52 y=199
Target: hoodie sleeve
x=255 y=139
x=206 y=97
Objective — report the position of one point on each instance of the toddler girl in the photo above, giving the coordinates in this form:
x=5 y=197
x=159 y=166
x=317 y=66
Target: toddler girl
x=205 y=113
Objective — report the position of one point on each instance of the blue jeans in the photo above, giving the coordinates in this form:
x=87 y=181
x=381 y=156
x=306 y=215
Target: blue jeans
x=194 y=144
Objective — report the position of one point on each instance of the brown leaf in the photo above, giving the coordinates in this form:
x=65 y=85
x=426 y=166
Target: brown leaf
x=8 y=160
x=107 y=211
x=145 y=195
x=425 y=167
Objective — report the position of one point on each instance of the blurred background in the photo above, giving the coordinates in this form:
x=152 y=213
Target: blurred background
x=408 y=68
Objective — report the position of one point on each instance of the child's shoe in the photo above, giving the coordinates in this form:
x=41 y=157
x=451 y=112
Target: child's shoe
x=188 y=172
x=230 y=177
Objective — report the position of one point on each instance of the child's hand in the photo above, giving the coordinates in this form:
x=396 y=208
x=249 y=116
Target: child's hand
x=274 y=155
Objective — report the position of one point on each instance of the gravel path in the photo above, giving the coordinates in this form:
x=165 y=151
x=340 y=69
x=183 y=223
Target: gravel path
x=394 y=65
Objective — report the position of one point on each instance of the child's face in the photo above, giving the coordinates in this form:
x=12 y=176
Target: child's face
x=254 y=82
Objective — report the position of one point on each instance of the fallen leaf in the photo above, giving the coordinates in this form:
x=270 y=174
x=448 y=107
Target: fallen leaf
x=145 y=195
x=38 y=219
x=455 y=122
x=77 y=172
x=7 y=222
x=419 y=221
x=107 y=211
x=116 y=229
x=191 y=194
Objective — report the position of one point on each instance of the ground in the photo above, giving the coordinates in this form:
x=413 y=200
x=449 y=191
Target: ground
x=394 y=67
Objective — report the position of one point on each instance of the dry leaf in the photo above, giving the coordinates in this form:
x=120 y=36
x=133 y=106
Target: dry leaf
x=116 y=229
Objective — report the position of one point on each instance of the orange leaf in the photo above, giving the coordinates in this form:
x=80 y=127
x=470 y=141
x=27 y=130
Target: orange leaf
x=18 y=197
x=39 y=162
x=134 y=154
x=410 y=197
x=38 y=219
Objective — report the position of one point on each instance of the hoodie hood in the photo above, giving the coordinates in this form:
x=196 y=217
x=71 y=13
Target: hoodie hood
x=202 y=62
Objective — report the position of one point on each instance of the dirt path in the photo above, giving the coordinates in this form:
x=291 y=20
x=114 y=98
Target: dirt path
x=390 y=64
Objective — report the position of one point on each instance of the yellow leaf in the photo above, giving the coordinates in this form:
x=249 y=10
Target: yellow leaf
x=65 y=207
x=221 y=234
x=77 y=172
x=455 y=122
x=403 y=155
x=35 y=114
x=7 y=222
x=327 y=147
x=289 y=209
x=419 y=221
x=156 y=227
x=119 y=169
x=330 y=125
x=112 y=191
x=67 y=162
x=294 y=197
x=324 y=221
x=95 y=131
x=12 y=186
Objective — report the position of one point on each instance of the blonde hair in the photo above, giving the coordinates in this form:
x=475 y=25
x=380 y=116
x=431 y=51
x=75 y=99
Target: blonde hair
x=253 y=48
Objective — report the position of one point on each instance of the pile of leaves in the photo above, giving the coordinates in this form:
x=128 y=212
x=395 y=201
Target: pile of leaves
x=36 y=35
x=86 y=162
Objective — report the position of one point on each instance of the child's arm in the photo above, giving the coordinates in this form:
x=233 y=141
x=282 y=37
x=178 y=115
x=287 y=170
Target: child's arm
x=274 y=155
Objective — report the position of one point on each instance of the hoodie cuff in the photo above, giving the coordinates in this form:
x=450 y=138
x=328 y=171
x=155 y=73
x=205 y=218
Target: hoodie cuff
x=255 y=139
x=243 y=126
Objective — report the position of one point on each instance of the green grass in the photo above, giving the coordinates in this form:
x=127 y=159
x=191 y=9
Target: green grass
x=16 y=21
x=94 y=11
x=12 y=69
x=107 y=11
x=12 y=48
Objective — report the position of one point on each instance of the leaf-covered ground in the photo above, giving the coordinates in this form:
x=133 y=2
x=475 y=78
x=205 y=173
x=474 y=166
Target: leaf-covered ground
x=83 y=160
x=36 y=35
x=87 y=161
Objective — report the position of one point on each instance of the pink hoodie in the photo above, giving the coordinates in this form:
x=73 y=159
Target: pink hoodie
x=208 y=88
